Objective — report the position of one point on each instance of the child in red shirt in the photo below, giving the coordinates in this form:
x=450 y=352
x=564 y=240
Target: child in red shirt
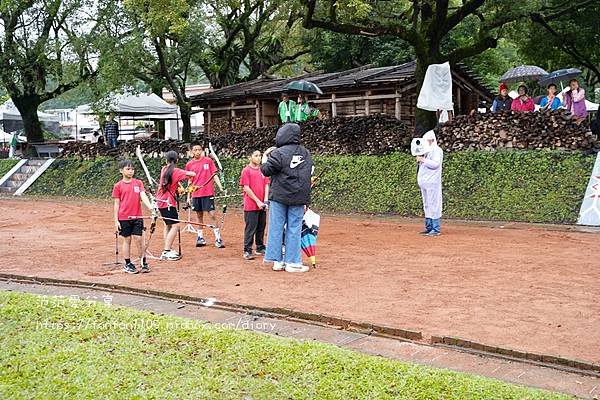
x=203 y=198
x=128 y=193
x=170 y=176
x=256 y=193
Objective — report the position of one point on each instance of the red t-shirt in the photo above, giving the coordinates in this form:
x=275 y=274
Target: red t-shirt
x=166 y=198
x=255 y=179
x=204 y=169
x=129 y=194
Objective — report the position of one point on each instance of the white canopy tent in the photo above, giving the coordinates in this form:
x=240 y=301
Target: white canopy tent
x=11 y=119
x=137 y=107
x=140 y=106
x=8 y=111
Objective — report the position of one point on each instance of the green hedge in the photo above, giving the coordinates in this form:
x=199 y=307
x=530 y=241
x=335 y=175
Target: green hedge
x=536 y=186
x=6 y=165
x=540 y=186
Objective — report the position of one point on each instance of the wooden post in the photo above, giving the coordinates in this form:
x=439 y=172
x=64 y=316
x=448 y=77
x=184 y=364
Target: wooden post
x=397 y=108
x=367 y=103
x=333 y=106
x=257 y=113
x=459 y=102
x=207 y=121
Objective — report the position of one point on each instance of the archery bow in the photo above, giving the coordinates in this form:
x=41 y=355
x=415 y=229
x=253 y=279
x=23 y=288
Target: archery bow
x=213 y=154
x=151 y=188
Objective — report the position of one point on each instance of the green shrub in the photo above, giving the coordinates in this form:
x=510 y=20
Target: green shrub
x=536 y=186
x=6 y=165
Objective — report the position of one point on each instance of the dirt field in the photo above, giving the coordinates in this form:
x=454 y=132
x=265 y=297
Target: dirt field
x=527 y=288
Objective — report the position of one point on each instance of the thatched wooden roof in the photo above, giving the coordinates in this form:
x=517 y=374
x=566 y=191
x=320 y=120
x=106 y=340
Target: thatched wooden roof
x=366 y=77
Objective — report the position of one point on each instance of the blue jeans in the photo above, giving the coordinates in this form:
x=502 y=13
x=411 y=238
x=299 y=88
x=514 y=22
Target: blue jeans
x=432 y=225
x=112 y=142
x=281 y=215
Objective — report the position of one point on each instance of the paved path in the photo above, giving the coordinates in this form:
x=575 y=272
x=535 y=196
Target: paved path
x=514 y=371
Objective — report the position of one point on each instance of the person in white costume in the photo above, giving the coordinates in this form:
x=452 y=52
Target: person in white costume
x=429 y=179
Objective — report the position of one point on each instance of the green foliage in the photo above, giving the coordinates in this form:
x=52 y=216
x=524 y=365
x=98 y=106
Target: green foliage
x=67 y=348
x=6 y=165
x=537 y=186
x=47 y=50
x=82 y=94
x=567 y=41
x=541 y=186
x=96 y=178
x=332 y=52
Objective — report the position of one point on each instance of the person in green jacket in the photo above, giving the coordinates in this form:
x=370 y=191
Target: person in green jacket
x=287 y=109
x=304 y=111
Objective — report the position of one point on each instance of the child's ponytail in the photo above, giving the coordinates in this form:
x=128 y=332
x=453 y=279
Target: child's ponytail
x=171 y=157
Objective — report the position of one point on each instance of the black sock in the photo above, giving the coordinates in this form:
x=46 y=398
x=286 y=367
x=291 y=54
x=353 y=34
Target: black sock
x=127 y=260
x=143 y=260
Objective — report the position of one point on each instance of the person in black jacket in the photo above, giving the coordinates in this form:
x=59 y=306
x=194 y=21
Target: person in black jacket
x=595 y=126
x=289 y=165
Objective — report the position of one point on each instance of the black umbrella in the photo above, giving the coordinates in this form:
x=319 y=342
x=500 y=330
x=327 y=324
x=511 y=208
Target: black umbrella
x=523 y=73
x=303 y=86
x=560 y=75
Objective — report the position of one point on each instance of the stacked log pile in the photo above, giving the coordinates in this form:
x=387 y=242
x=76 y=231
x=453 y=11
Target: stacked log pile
x=527 y=131
x=241 y=124
x=379 y=134
x=149 y=147
x=372 y=135
x=219 y=125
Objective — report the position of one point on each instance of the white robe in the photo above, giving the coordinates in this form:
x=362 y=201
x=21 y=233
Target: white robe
x=429 y=179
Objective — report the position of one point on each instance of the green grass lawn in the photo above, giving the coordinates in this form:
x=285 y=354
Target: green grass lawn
x=66 y=349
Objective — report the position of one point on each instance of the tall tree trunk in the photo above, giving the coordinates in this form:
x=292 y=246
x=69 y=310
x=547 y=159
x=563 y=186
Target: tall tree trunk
x=424 y=120
x=160 y=124
x=186 y=113
x=28 y=107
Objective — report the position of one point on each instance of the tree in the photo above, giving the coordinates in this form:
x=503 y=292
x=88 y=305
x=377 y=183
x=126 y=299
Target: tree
x=426 y=25
x=169 y=31
x=257 y=35
x=333 y=52
x=574 y=33
x=46 y=49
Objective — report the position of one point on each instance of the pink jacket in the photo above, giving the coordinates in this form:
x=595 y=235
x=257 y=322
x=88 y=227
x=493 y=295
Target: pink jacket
x=518 y=105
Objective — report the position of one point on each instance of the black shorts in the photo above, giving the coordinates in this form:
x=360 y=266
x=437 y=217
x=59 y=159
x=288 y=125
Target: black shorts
x=169 y=212
x=131 y=227
x=206 y=203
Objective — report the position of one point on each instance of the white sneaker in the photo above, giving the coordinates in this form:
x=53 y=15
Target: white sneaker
x=294 y=267
x=278 y=266
x=170 y=255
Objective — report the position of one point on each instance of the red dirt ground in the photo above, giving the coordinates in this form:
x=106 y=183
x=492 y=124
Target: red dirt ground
x=528 y=288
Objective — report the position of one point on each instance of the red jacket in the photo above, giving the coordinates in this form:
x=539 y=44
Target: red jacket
x=518 y=105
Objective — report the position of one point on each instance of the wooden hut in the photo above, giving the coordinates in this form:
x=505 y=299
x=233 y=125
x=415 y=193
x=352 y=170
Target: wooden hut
x=360 y=91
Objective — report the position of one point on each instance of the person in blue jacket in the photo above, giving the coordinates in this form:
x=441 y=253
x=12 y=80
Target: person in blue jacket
x=550 y=102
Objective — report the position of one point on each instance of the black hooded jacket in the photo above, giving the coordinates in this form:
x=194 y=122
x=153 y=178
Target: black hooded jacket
x=290 y=167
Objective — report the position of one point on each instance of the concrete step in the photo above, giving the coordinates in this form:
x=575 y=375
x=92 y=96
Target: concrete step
x=26 y=169
x=17 y=176
x=6 y=189
x=36 y=163
x=14 y=183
